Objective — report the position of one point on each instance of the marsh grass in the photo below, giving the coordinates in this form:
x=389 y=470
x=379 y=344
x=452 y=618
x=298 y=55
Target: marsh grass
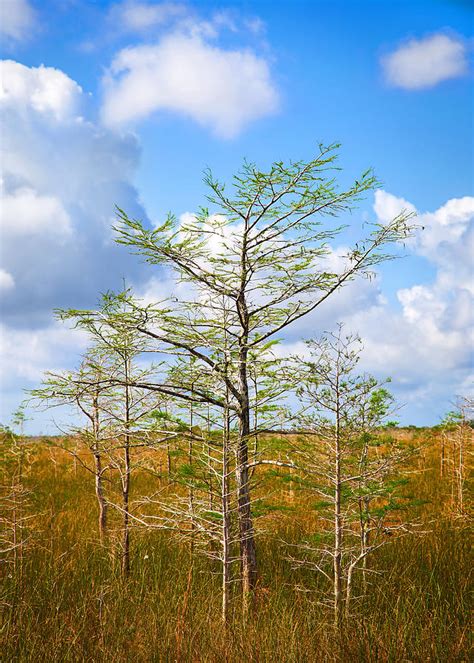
x=68 y=602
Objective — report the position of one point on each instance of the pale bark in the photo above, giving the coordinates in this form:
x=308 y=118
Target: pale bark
x=98 y=469
x=443 y=453
x=350 y=571
x=460 y=469
x=337 y=528
x=225 y=519
x=102 y=502
x=190 y=489
x=126 y=481
x=248 y=551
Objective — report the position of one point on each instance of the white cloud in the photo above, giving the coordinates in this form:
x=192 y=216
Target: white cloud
x=62 y=176
x=441 y=231
x=430 y=340
x=28 y=353
x=425 y=346
x=445 y=238
x=24 y=212
x=185 y=74
x=423 y=63
x=387 y=206
x=445 y=227
x=146 y=18
x=42 y=89
x=7 y=281
x=17 y=19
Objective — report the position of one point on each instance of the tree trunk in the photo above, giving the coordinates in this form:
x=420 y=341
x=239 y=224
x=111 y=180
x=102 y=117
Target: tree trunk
x=99 y=487
x=247 y=538
x=209 y=447
x=101 y=501
x=126 y=518
x=225 y=520
x=337 y=555
x=337 y=530
x=460 y=472
x=126 y=482
x=168 y=460
x=442 y=460
x=365 y=539
x=349 y=590
x=15 y=528
x=190 y=489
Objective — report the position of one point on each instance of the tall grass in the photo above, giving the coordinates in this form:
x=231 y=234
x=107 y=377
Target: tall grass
x=68 y=603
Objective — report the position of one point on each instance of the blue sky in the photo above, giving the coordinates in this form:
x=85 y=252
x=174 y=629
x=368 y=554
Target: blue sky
x=127 y=102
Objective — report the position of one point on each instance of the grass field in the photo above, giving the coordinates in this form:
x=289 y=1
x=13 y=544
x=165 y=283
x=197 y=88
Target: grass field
x=66 y=602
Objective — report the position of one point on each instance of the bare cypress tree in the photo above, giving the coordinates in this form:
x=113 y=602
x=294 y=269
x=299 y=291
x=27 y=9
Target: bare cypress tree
x=264 y=248
x=204 y=518
x=85 y=391
x=457 y=433
x=118 y=414
x=199 y=508
x=347 y=461
x=15 y=511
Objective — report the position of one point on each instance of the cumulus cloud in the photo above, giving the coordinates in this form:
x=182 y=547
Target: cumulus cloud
x=388 y=206
x=25 y=213
x=424 y=344
x=62 y=176
x=42 y=89
x=428 y=349
x=186 y=74
x=423 y=63
x=445 y=228
x=26 y=355
x=17 y=19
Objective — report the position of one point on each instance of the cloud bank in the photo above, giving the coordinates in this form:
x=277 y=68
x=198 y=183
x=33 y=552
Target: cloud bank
x=62 y=176
x=426 y=344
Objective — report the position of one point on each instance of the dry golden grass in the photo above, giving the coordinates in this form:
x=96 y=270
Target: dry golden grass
x=66 y=601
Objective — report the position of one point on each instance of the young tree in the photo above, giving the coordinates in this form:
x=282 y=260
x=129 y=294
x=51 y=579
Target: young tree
x=120 y=417
x=203 y=515
x=346 y=461
x=15 y=497
x=130 y=409
x=201 y=507
x=456 y=431
x=85 y=391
